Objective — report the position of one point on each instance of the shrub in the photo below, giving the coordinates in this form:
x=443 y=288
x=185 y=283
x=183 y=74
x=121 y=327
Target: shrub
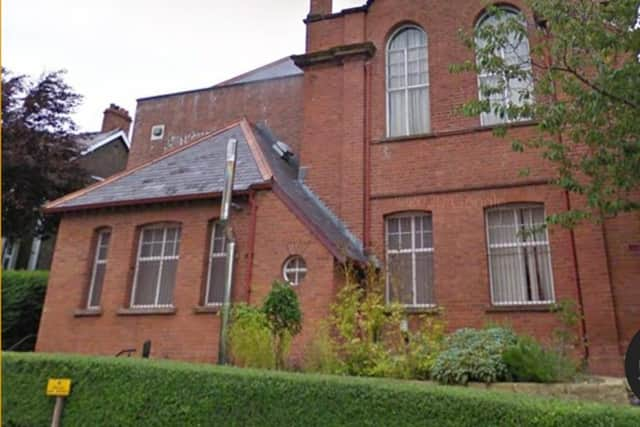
x=527 y=360
x=22 y=300
x=424 y=347
x=284 y=318
x=320 y=353
x=135 y=392
x=473 y=355
x=250 y=341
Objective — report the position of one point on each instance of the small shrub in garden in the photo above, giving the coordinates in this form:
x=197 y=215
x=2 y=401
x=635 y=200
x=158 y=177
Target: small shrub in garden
x=284 y=318
x=250 y=340
x=565 y=336
x=527 y=360
x=424 y=346
x=320 y=354
x=473 y=355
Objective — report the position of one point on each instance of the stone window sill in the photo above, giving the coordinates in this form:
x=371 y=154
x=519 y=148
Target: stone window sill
x=146 y=311
x=543 y=308
x=422 y=310
x=207 y=309
x=88 y=312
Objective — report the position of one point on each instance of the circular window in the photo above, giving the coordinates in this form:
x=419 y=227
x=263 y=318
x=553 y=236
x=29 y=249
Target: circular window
x=294 y=270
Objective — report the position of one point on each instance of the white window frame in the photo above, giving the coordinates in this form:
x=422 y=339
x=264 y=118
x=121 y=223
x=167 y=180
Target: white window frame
x=506 y=95
x=520 y=245
x=286 y=269
x=97 y=261
x=162 y=258
x=413 y=251
x=213 y=255
x=406 y=88
x=10 y=252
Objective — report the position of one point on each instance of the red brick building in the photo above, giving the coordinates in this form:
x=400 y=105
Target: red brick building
x=383 y=169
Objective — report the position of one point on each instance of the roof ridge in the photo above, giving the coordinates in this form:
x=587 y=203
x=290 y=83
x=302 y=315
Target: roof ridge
x=128 y=172
x=245 y=74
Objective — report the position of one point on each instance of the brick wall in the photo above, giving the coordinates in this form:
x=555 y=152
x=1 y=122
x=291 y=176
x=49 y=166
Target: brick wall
x=188 y=115
x=106 y=160
x=183 y=335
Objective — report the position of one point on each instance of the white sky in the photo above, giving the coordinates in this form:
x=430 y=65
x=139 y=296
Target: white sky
x=120 y=50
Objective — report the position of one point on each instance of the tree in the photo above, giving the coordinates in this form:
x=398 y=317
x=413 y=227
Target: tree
x=38 y=149
x=284 y=316
x=585 y=72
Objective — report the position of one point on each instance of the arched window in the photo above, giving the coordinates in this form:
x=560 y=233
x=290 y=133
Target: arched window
x=409 y=247
x=156 y=266
x=504 y=91
x=519 y=256
x=408 y=83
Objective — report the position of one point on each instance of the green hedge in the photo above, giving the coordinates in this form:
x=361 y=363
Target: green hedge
x=136 y=392
x=22 y=300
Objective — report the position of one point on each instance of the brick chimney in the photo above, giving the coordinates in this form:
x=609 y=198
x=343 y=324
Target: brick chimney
x=116 y=117
x=321 y=7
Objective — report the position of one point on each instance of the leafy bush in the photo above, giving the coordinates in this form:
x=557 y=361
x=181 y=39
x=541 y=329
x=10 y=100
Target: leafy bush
x=135 y=392
x=250 y=340
x=473 y=355
x=22 y=300
x=284 y=318
x=424 y=347
x=527 y=360
x=320 y=353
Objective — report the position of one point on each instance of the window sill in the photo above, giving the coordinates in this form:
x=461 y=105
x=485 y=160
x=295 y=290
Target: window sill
x=520 y=308
x=453 y=132
x=87 y=312
x=207 y=309
x=423 y=310
x=146 y=311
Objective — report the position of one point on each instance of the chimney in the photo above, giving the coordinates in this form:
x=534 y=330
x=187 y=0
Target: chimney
x=321 y=7
x=116 y=117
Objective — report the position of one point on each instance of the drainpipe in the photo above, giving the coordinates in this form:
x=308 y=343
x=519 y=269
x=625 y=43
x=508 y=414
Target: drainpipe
x=229 y=175
x=252 y=242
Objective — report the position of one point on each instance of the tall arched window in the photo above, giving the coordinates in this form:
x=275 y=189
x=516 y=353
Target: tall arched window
x=515 y=51
x=408 y=83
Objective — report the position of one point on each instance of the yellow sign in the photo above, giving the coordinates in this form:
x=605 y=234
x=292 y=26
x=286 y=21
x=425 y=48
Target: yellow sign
x=58 y=387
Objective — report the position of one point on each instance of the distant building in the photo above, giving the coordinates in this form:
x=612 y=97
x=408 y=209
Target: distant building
x=377 y=166
x=102 y=154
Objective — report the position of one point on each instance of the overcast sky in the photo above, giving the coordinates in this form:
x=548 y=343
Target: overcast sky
x=120 y=50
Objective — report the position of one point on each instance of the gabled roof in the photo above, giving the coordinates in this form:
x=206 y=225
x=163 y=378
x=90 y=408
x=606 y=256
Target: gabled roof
x=196 y=171
x=193 y=170
x=91 y=141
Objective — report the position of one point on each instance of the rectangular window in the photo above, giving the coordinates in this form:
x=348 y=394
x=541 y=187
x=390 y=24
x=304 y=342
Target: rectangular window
x=409 y=242
x=519 y=256
x=214 y=294
x=99 y=269
x=156 y=267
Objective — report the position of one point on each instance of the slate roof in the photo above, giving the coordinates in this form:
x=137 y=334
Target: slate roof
x=197 y=171
x=283 y=67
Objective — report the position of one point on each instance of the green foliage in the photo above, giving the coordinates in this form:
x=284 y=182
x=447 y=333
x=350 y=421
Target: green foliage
x=528 y=361
x=22 y=300
x=250 y=339
x=565 y=336
x=282 y=310
x=473 y=355
x=424 y=346
x=586 y=73
x=134 y=392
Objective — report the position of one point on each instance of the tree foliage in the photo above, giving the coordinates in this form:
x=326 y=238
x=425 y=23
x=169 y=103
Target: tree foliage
x=38 y=148
x=282 y=309
x=586 y=73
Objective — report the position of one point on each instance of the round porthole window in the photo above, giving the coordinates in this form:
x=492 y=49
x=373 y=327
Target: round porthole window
x=294 y=270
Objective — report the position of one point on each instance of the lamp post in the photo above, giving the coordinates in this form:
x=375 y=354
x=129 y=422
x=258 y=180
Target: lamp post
x=230 y=246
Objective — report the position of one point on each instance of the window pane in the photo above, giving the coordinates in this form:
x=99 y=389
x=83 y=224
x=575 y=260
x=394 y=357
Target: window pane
x=507 y=275
x=424 y=278
x=146 y=284
x=96 y=289
x=216 y=281
x=167 y=282
x=419 y=110
x=401 y=278
x=397 y=113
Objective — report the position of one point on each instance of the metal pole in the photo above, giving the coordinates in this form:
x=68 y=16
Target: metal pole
x=229 y=176
x=57 y=412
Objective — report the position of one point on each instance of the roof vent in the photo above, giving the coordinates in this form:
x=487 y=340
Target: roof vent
x=283 y=150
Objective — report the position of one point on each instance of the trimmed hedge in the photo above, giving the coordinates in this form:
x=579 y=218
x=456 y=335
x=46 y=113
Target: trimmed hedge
x=22 y=300
x=134 y=392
